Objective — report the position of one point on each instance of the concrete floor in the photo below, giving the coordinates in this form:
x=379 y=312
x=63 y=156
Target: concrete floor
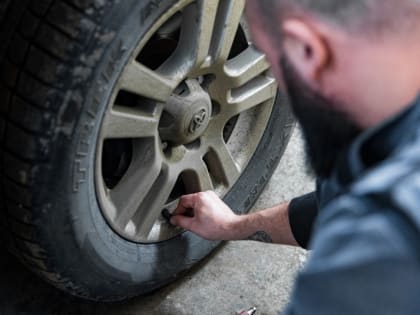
x=238 y=275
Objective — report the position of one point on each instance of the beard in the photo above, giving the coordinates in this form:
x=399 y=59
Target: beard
x=327 y=132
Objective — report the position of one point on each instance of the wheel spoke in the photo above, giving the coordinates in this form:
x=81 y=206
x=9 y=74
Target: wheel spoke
x=137 y=182
x=208 y=30
x=197 y=177
x=245 y=67
x=205 y=13
x=198 y=22
x=226 y=26
x=140 y=80
x=204 y=179
x=124 y=122
x=221 y=163
x=250 y=95
x=152 y=206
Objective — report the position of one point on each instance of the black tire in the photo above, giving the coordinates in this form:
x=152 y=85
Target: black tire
x=59 y=61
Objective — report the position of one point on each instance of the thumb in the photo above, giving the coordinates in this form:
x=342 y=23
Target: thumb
x=182 y=221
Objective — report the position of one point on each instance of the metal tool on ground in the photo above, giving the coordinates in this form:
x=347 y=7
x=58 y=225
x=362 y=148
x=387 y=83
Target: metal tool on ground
x=251 y=311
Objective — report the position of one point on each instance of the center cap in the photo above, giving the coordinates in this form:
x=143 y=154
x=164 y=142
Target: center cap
x=190 y=114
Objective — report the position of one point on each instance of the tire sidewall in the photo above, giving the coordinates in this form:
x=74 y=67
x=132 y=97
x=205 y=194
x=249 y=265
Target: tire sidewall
x=81 y=245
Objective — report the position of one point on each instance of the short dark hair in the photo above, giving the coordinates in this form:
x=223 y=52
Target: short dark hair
x=367 y=16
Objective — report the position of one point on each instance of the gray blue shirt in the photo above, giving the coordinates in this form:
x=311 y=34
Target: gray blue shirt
x=365 y=256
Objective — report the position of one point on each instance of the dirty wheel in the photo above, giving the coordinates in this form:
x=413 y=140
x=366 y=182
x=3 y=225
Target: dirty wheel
x=122 y=108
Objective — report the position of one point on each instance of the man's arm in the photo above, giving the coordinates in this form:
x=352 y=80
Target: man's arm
x=269 y=226
x=208 y=216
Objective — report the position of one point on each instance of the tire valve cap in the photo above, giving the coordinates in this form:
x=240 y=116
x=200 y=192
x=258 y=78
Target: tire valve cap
x=167 y=215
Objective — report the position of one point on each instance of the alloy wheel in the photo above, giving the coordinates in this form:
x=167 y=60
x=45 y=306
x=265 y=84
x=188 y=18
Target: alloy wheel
x=186 y=115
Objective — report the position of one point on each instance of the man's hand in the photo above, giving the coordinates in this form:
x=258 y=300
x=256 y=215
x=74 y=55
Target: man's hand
x=206 y=215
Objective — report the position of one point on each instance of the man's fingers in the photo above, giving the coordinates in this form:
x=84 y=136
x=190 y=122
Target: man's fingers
x=185 y=203
x=182 y=221
x=179 y=210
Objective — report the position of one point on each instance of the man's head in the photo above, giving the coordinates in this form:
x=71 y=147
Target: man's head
x=347 y=65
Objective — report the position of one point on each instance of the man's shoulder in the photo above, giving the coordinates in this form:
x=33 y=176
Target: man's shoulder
x=385 y=200
x=387 y=221
x=395 y=182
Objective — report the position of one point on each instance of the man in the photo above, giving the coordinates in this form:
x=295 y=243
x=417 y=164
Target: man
x=352 y=72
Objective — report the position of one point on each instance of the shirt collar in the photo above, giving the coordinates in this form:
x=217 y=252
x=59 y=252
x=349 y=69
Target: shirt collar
x=379 y=142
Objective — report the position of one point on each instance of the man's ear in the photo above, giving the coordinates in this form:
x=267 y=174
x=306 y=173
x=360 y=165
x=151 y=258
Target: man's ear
x=305 y=49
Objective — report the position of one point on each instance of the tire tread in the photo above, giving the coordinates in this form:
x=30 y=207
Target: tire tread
x=37 y=32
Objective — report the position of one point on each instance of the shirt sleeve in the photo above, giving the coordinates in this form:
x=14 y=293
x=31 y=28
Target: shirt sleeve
x=363 y=262
x=302 y=214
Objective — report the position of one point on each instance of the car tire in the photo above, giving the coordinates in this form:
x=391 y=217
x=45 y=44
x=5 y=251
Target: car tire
x=60 y=62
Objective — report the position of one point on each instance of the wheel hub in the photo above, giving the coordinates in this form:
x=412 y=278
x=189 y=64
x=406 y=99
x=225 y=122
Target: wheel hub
x=188 y=112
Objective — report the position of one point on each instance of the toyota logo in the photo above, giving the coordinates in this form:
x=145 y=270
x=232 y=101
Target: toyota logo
x=198 y=120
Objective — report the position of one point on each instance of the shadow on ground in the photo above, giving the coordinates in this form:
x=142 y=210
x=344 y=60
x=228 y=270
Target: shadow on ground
x=22 y=292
